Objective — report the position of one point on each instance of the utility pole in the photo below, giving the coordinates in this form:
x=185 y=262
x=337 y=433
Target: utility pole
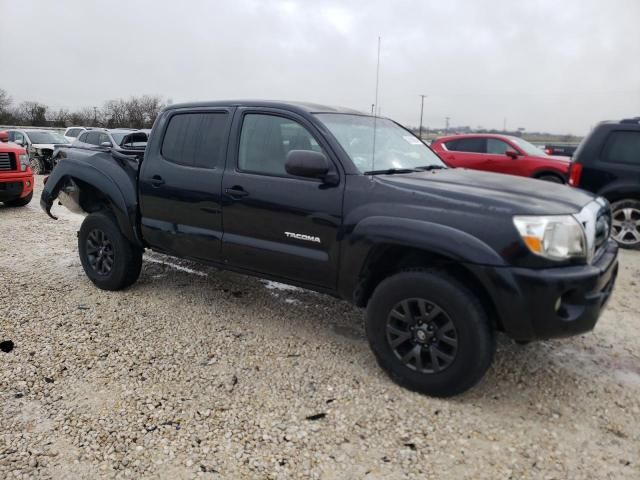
x=421 y=112
x=95 y=116
x=373 y=106
x=504 y=125
x=446 y=124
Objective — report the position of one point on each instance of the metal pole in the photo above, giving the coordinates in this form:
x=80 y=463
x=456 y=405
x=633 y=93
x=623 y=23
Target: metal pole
x=421 y=112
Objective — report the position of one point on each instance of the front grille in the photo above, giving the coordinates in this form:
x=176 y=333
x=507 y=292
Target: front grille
x=596 y=219
x=7 y=161
x=603 y=227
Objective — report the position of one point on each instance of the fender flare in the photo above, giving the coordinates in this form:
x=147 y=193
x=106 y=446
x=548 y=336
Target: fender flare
x=620 y=190
x=443 y=241
x=432 y=237
x=122 y=204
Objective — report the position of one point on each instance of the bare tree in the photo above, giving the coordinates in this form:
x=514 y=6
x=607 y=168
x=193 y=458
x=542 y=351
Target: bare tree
x=5 y=107
x=60 y=117
x=87 y=117
x=151 y=106
x=32 y=113
x=115 y=113
x=135 y=113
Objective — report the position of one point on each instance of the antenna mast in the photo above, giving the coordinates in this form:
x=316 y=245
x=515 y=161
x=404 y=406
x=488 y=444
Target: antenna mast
x=376 y=111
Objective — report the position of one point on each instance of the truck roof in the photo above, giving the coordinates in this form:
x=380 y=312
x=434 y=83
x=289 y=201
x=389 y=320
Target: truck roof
x=299 y=107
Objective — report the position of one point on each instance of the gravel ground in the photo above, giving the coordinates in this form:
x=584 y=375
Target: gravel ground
x=199 y=373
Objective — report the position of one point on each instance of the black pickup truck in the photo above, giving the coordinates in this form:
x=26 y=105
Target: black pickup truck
x=357 y=207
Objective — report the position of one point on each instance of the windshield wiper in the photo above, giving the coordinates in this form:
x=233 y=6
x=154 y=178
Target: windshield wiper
x=391 y=171
x=426 y=168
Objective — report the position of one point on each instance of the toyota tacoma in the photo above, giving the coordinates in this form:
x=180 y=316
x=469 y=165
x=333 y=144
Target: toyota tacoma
x=357 y=207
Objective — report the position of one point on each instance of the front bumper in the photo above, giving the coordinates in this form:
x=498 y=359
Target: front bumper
x=15 y=185
x=555 y=302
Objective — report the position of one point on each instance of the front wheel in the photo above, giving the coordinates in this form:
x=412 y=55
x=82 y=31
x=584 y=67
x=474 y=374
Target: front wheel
x=110 y=261
x=625 y=227
x=37 y=165
x=429 y=332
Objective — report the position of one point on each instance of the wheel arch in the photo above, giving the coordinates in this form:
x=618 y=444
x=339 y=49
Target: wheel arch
x=83 y=187
x=388 y=259
x=550 y=172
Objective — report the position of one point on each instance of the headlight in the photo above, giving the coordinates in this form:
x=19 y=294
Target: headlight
x=557 y=237
x=24 y=161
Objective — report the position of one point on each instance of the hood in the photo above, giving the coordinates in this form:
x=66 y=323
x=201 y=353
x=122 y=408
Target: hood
x=475 y=190
x=50 y=146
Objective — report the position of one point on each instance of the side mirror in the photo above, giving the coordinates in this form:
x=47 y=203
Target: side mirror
x=512 y=154
x=106 y=144
x=307 y=163
x=18 y=141
x=4 y=137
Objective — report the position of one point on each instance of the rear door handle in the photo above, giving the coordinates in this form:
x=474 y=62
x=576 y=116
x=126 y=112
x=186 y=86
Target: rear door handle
x=157 y=181
x=236 y=192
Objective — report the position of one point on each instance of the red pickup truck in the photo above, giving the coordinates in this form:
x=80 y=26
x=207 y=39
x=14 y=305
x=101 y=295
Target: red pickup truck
x=16 y=177
x=501 y=154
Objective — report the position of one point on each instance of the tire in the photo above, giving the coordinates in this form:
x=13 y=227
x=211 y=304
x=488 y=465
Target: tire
x=109 y=260
x=550 y=177
x=19 y=202
x=37 y=165
x=446 y=300
x=625 y=227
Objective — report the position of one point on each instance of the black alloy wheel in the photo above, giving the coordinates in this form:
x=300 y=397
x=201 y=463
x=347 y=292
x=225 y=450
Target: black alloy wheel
x=99 y=251
x=421 y=335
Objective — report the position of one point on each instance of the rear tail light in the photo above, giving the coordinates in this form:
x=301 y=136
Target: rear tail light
x=548 y=151
x=575 y=171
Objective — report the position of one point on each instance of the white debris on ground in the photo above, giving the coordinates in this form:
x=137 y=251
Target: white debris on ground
x=199 y=373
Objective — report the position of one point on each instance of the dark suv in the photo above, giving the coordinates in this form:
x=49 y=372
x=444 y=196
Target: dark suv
x=607 y=162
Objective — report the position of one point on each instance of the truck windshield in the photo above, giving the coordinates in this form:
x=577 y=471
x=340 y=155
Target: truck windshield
x=395 y=150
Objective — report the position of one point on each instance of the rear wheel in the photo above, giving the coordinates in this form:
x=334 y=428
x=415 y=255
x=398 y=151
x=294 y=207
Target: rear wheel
x=19 y=202
x=550 y=177
x=110 y=261
x=625 y=227
x=429 y=332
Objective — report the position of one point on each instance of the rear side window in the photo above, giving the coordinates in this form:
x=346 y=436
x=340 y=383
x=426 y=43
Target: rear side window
x=622 y=147
x=196 y=139
x=266 y=140
x=472 y=145
x=74 y=132
x=93 y=138
x=83 y=137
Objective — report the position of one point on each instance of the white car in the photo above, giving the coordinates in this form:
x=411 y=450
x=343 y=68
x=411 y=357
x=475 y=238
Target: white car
x=72 y=133
x=40 y=145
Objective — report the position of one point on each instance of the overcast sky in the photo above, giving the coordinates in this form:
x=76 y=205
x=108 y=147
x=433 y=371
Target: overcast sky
x=556 y=66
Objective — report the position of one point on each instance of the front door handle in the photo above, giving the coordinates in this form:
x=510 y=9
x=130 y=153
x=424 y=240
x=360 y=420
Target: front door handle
x=236 y=192
x=157 y=181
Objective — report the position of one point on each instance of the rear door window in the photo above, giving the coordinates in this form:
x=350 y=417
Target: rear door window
x=93 y=138
x=471 y=145
x=196 y=139
x=622 y=147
